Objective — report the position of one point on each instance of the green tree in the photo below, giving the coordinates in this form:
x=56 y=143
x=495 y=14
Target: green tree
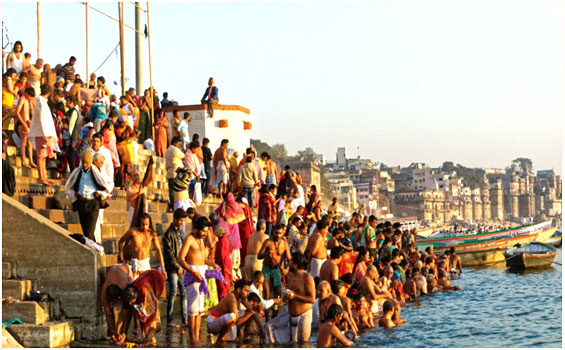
x=525 y=164
x=447 y=167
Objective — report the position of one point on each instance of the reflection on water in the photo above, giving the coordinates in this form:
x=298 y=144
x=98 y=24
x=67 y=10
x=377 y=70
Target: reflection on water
x=495 y=308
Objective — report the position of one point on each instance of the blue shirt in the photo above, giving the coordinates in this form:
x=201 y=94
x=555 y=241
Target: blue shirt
x=214 y=93
x=183 y=130
x=86 y=186
x=97 y=111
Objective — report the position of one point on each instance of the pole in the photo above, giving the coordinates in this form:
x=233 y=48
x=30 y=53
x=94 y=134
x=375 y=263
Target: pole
x=86 y=13
x=38 y=29
x=121 y=16
x=138 y=39
x=150 y=74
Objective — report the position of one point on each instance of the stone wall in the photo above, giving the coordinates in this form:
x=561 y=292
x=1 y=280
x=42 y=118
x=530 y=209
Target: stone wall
x=66 y=269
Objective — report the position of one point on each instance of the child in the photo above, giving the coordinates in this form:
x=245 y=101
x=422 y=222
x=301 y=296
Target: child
x=388 y=311
x=222 y=258
x=361 y=313
x=328 y=332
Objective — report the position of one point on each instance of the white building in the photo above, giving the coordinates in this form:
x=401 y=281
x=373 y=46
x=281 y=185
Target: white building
x=341 y=157
x=424 y=179
x=229 y=122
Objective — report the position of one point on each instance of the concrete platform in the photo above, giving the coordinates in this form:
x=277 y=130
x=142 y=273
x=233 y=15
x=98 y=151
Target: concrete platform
x=29 y=312
x=49 y=335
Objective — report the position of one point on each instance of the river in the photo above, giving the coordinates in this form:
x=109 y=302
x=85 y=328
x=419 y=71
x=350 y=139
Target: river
x=495 y=308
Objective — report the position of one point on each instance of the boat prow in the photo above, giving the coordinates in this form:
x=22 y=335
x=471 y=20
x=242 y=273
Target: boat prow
x=532 y=255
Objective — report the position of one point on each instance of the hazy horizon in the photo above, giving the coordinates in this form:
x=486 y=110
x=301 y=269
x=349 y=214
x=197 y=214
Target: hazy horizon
x=477 y=83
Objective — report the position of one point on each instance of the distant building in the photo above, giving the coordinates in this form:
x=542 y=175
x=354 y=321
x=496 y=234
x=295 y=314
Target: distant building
x=341 y=157
x=310 y=174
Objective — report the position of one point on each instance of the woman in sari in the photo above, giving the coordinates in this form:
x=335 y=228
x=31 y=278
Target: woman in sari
x=230 y=211
x=161 y=133
x=144 y=121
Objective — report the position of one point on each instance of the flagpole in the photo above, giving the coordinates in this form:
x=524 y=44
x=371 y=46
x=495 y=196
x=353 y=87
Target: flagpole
x=150 y=74
x=38 y=29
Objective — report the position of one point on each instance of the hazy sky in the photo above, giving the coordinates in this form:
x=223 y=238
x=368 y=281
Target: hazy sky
x=477 y=82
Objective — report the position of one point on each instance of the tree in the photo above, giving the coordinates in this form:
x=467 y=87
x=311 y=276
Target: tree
x=524 y=164
x=306 y=155
x=279 y=152
x=447 y=167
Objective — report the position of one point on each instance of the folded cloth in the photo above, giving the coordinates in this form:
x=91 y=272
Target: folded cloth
x=190 y=279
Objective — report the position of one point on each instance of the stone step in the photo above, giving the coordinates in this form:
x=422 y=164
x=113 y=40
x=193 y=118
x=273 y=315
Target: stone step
x=34 y=173
x=60 y=216
x=8 y=341
x=8 y=269
x=36 y=188
x=72 y=228
x=113 y=230
x=49 y=335
x=17 y=289
x=109 y=259
x=27 y=311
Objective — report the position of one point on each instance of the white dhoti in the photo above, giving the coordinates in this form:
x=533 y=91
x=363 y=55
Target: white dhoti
x=222 y=175
x=251 y=265
x=215 y=324
x=281 y=328
x=36 y=85
x=316 y=266
x=195 y=299
x=236 y=261
x=139 y=266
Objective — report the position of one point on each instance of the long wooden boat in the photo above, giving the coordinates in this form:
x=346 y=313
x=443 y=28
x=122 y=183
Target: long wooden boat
x=484 y=248
x=556 y=239
x=544 y=235
x=532 y=255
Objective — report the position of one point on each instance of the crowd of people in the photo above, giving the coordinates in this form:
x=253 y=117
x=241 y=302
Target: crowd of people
x=270 y=263
x=273 y=276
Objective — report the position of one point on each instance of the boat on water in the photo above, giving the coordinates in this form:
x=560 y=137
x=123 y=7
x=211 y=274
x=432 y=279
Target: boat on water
x=532 y=255
x=477 y=249
x=556 y=239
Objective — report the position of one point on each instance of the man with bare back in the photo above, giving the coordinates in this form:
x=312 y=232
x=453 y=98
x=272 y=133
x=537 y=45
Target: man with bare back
x=316 y=248
x=34 y=75
x=221 y=167
x=271 y=168
x=139 y=240
x=376 y=294
x=301 y=296
x=272 y=251
x=193 y=258
x=254 y=244
x=330 y=269
x=325 y=299
x=226 y=317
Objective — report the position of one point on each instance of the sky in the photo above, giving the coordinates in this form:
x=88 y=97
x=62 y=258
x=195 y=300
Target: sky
x=479 y=83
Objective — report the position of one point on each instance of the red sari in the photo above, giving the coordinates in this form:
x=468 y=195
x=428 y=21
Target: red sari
x=161 y=129
x=245 y=229
x=150 y=286
x=222 y=258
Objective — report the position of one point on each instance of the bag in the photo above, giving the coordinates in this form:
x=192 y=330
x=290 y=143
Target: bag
x=125 y=149
x=197 y=193
x=61 y=201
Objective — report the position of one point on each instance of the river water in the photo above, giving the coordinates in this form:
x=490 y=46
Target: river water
x=495 y=308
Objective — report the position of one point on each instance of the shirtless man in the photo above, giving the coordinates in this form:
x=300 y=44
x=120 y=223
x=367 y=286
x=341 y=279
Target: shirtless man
x=34 y=75
x=328 y=332
x=254 y=243
x=271 y=168
x=454 y=262
x=272 y=250
x=75 y=91
x=443 y=283
x=330 y=270
x=336 y=240
x=134 y=190
x=340 y=289
x=388 y=310
x=413 y=254
x=193 y=258
x=370 y=237
x=117 y=279
x=295 y=325
x=225 y=316
x=221 y=167
x=317 y=252
x=376 y=294
x=325 y=299
x=138 y=245
x=410 y=286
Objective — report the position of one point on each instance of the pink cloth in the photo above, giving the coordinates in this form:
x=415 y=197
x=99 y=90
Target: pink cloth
x=110 y=144
x=230 y=210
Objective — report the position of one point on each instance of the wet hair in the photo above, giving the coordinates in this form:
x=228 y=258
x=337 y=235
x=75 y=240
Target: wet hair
x=322 y=224
x=224 y=141
x=336 y=285
x=201 y=223
x=388 y=306
x=129 y=294
x=254 y=297
x=278 y=227
x=372 y=218
x=362 y=251
x=101 y=79
x=113 y=292
x=144 y=216
x=300 y=260
x=334 y=311
x=180 y=213
x=348 y=278
x=336 y=253
x=241 y=283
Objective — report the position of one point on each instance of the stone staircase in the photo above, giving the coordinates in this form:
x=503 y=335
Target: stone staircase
x=39 y=198
x=44 y=324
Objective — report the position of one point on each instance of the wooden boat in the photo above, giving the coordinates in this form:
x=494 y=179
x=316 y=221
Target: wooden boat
x=555 y=239
x=532 y=255
x=544 y=235
x=484 y=248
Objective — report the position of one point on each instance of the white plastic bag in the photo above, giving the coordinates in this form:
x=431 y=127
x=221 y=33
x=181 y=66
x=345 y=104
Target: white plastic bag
x=197 y=193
